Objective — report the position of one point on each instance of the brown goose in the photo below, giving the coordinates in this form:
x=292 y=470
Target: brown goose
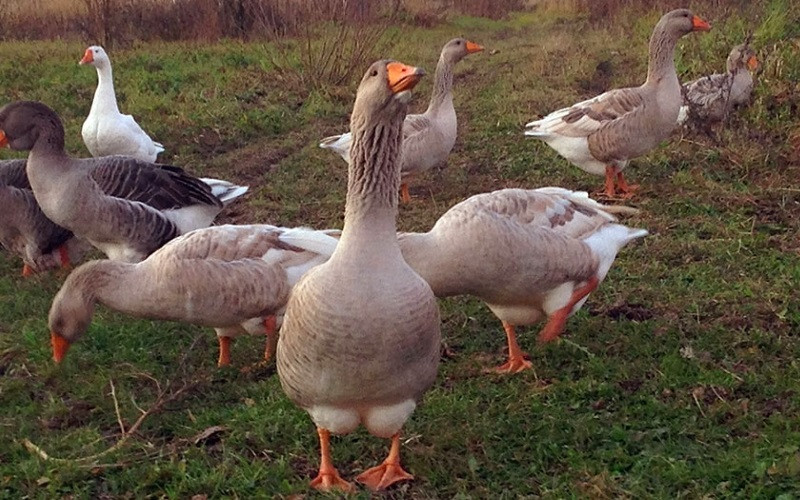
x=711 y=98
x=360 y=339
x=125 y=207
x=26 y=231
x=231 y=278
x=602 y=134
x=529 y=254
x=429 y=137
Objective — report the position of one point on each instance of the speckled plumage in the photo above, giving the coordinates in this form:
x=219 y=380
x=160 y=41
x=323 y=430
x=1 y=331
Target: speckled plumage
x=516 y=249
x=220 y=277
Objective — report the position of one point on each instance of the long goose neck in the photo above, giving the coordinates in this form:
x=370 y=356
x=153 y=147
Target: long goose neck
x=103 y=281
x=661 y=63
x=442 y=85
x=373 y=176
x=423 y=254
x=104 y=95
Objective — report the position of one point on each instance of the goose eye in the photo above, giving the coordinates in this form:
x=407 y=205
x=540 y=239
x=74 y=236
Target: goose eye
x=374 y=72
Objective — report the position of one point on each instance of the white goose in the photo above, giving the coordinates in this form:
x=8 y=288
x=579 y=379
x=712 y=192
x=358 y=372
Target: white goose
x=106 y=131
x=231 y=278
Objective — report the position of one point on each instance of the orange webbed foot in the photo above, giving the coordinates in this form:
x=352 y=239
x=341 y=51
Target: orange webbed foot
x=331 y=481
x=382 y=476
x=27 y=271
x=514 y=365
x=405 y=195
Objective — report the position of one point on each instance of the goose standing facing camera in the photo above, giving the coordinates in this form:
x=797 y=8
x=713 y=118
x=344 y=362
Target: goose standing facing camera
x=360 y=338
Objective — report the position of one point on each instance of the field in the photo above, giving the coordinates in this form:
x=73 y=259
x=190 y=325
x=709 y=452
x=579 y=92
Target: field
x=679 y=378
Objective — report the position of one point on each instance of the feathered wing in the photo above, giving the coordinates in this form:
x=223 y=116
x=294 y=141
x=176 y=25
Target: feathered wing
x=12 y=173
x=569 y=212
x=226 y=242
x=584 y=118
x=162 y=187
x=135 y=130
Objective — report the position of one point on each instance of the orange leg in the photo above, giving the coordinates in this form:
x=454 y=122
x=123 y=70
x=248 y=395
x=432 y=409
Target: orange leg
x=405 y=196
x=627 y=189
x=224 y=351
x=555 y=324
x=270 y=325
x=389 y=472
x=609 y=186
x=328 y=477
x=516 y=356
x=63 y=253
x=27 y=271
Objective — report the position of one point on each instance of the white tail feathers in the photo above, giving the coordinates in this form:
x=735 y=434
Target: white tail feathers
x=225 y=191
x=683 y=114
x=310 y=240
x=339 y=144
x=582 y=198
x=159 y=147
x=608 y=241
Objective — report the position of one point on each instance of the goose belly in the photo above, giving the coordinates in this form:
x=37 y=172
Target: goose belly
x=356 y=351
x=576 y=151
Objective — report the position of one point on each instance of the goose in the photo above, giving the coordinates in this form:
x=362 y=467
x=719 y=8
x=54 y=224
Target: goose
x=232 y=278
x=125 y=207
x=106 y=131
x=26 y=231
x=602 y=134
x=429 y=137
x=528 y=254
x=360 y=337
x=711 y=98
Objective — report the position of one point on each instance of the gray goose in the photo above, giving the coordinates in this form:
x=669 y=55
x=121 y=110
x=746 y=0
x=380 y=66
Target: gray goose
x=26 y=231
x=711 y=98
x=126 y=207
x=231 y=278
x=529 y=254
x=602 y=134
x=429 y=137
x=360 y=338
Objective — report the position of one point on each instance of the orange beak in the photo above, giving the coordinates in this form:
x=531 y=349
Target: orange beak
x=752 y=63
x=87 y=57
x=473 y=47
x=699 y=25
x=403 y=77
x=60 y=346
x=3 y=139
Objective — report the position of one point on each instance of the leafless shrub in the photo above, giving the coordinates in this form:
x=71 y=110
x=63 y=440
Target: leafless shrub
x=337 y=39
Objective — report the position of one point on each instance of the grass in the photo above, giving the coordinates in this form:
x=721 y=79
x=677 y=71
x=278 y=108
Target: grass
x=678 y=379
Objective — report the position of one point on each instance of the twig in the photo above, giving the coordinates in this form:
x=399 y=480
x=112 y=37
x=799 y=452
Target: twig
x=694 y=396
x=165 y=396
x=116 y=406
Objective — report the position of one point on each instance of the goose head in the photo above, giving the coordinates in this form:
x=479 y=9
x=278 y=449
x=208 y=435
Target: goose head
x=70 y=317
x=22 y=122
x=458 y=48
x=742 y=56
x=384 y=91
x=95 y=56
x=680 y=22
